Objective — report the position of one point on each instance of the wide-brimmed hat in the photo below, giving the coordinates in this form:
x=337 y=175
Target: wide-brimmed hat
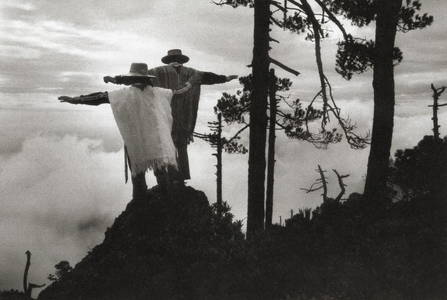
x=175 y=55
x=138 y=70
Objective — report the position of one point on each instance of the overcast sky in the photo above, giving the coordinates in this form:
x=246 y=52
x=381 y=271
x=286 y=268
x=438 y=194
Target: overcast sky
x=61 y=166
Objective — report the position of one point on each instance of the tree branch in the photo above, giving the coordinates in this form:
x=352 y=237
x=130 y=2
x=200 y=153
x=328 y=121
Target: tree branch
x=277 y=23
x=296 y=4
x=321 y=182
x=333 y=18
x=437 y=92
x=276 y=4
x=284 y=67
x=281 y=125
x=311 y=189
x=237 y=133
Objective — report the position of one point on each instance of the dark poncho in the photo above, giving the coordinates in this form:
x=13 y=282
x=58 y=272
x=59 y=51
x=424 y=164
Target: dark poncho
x=184 y=106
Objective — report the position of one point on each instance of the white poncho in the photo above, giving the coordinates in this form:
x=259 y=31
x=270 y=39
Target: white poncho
x=144 y=120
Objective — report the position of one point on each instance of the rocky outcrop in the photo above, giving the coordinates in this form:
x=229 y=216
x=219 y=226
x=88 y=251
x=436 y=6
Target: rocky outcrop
x=154 y=250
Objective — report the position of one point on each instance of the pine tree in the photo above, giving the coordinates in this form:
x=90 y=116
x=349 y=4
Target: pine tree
x=311 y=24
x=357 y=55
x=285 y=115
x=221 y=144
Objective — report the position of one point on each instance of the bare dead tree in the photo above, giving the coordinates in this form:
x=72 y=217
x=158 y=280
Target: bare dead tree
x=322 y=184
x=437 y=92
x=341 y=184
x=28 y=287
x=319 y=184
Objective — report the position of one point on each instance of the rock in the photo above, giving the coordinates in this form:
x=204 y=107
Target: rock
x=166 y=246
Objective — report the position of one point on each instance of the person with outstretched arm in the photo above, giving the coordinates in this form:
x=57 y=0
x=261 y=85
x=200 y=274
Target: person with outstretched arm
x=173 y=75
x=143 y=115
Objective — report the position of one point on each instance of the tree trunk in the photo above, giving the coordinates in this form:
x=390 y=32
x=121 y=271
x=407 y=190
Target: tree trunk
x=219 y=163
x=383 y=84
x=25 y=274
x=435 y=119
x=258 y=119
x=435 y=106
x=271 y=151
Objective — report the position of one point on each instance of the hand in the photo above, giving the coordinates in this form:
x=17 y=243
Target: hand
x=108 y=79
x=67 y=99
x=184 y=89
x=231 y=77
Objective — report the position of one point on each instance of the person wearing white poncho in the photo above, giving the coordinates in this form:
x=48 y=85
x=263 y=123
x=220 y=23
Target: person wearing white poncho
x=144 y=119
x=145 y=122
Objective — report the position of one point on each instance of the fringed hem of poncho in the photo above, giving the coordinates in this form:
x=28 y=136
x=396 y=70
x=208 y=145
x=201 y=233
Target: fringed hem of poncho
x=154 y=164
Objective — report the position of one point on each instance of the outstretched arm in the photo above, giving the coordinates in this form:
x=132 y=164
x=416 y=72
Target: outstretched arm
x=211 y=78
x=91 y=99
x=128 y=80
